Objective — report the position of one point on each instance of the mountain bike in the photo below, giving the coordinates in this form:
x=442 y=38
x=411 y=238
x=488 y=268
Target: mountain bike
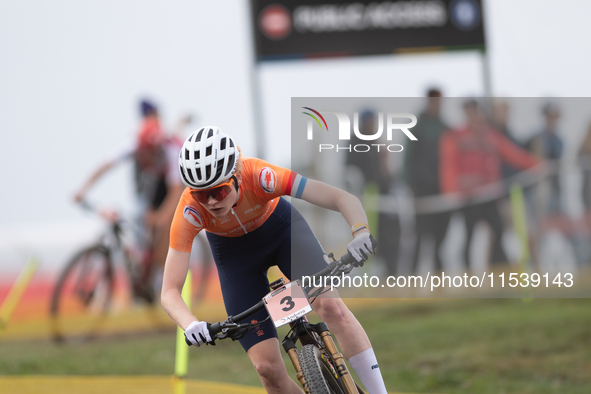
x=121 y=258
x=320 y=367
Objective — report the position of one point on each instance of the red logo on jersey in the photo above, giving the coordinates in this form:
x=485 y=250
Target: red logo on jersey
x=192 y=216
x=268 y=179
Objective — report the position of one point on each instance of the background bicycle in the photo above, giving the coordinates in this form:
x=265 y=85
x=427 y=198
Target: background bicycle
x=108 y=276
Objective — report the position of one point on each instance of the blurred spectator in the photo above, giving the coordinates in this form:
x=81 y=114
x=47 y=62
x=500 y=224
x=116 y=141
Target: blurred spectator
x=157 y=183
x=500 y=121
x=584 y=158
x=471 y=158
x=421 y=164
x=548 y=144
x=373 y=166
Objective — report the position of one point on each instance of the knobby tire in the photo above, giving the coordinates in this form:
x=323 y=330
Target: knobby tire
x=85 y=285
x=318 y=373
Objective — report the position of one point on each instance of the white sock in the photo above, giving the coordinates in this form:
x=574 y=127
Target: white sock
x=366 y=367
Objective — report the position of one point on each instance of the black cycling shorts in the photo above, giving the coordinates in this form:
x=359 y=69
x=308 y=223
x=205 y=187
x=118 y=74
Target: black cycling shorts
x=243 y=262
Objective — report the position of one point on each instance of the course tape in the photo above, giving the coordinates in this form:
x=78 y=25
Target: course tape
x=439 y=203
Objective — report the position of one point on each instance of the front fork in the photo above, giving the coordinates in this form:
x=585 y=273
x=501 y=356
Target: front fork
x=301 y=329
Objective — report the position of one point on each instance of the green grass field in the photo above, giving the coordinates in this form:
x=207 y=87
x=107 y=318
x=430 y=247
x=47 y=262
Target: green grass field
x=424 y=346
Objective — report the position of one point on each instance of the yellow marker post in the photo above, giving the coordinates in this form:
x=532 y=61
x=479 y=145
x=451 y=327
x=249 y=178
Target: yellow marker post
x=371 y=196
x=182 y=350
x=520 y=225
x=17 y=290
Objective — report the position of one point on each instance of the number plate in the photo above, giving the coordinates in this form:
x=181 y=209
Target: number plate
x=287 y=303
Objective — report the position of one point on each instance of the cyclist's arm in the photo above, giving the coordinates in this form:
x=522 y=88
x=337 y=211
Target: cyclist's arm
x=122 y=154
x=330 y=197
x=175 y=273
x=96 y=175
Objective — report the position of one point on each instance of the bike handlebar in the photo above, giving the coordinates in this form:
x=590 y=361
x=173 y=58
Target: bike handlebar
x=111 y=216
x=84 y=204
x=216 y=328
x=346 y=260
x=229 y=323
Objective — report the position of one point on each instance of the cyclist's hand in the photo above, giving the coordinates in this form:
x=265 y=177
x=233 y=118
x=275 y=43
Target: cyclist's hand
x=197 y=333
x=361 y=247
x=79 y=197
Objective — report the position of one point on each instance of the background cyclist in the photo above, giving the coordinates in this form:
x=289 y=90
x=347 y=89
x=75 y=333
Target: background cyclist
x=158 y=187
x=251 y=228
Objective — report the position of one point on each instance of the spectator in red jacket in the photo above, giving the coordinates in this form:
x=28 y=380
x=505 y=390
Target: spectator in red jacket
x=472 y=157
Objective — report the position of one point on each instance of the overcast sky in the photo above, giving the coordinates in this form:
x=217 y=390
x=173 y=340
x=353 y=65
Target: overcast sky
x=72 y=72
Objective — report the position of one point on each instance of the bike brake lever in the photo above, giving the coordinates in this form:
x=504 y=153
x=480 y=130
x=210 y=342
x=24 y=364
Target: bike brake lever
x=235 y=332
x=238 y=333
x=346 y=269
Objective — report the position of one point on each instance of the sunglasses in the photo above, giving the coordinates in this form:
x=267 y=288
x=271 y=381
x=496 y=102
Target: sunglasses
x=218 y=193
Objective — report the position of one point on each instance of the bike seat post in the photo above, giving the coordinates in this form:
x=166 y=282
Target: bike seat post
x=277 y=284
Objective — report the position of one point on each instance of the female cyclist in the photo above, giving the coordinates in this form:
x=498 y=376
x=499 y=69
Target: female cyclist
x=251 y=228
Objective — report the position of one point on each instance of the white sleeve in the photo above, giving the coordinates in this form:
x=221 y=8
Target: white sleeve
x=173 y=175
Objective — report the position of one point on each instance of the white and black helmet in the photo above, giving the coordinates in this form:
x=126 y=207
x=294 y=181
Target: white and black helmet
x=208 y=157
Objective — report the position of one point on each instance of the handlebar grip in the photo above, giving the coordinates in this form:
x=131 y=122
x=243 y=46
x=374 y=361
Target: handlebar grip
x=84 y=204
x=214 y=329
x=348 y=259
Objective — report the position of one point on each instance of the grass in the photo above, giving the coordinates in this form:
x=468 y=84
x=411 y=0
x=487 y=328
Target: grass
x=486 y=346
x=431 y=346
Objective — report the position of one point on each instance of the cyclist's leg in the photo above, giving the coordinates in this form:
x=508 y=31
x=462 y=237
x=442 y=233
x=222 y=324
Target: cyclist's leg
x=266 y=359
x=242 y=266
x=307 y=257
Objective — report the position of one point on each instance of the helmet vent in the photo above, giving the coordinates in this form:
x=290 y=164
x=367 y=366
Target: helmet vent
x=184 y=177
x=210 y=134
x=223 y=144
x=230 y=160
x=208 y=150
x=187 y=154
x=190 y=176
x=198 y=138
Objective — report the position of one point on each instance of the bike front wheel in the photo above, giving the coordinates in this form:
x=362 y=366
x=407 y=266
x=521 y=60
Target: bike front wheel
x=319 y=375
x=82 y=295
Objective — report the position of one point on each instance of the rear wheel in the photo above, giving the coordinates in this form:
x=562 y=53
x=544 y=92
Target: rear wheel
x=82 y=295
x=319 y=374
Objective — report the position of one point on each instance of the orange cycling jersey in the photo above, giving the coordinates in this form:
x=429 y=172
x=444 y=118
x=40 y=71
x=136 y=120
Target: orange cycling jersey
x=262 y=186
